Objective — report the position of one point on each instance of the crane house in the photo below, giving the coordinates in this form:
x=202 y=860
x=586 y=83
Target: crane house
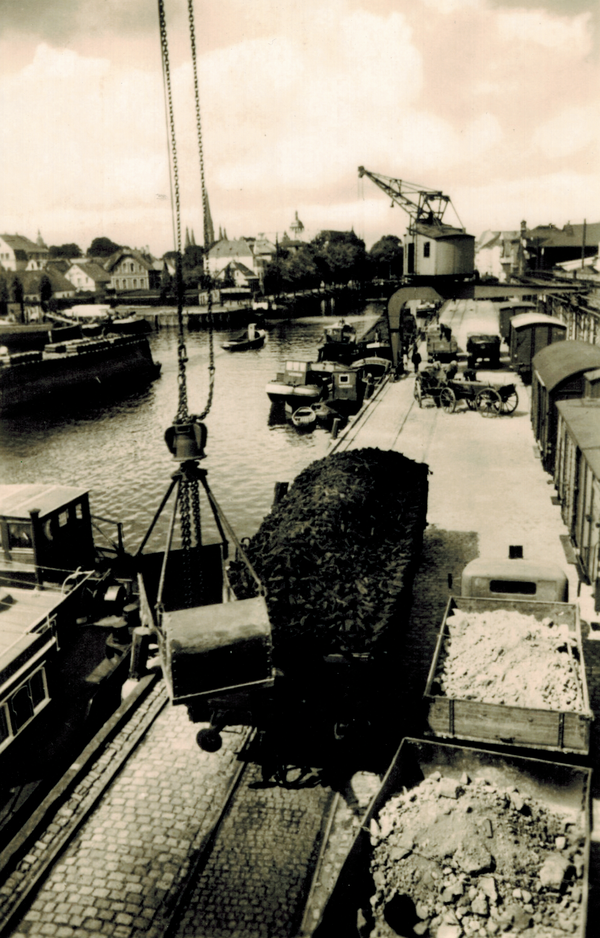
x=577 y=481
x=438 y=250
x=559 y=373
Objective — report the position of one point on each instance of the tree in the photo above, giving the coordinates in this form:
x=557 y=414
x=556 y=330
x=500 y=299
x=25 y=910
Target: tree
x=102 y=247
x=192 y=257
x=4 y=297
x=17 y=293
x=46 y=292
x=340 y=255
x=65 y=250
x=386 y=256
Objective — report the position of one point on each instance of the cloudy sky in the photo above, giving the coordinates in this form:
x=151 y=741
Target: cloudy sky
x=494 y=102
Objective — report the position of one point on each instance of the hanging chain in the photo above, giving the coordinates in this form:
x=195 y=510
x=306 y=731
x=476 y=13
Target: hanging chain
x=182 y=409
x=205 y=214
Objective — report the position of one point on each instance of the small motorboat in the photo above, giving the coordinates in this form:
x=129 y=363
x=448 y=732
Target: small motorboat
x=252 y=338
x=304 y=418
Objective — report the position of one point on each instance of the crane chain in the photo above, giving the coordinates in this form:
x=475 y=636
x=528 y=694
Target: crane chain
x=182 y=358
x=205 y=213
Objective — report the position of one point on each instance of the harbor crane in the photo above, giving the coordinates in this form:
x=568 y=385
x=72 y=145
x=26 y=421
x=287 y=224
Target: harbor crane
x=423 y=205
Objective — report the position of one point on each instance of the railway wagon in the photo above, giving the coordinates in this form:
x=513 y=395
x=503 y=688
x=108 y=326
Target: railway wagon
x=507 y=311
x=529 y=333
x=558 y=373
x=492 y=709
x=577 y=481
x=458 y=834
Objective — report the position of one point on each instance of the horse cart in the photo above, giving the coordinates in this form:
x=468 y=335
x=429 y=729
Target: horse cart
x=489 y=399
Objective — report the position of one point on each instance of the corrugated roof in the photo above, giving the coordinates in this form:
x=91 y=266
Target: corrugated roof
x=561 y=360
x=582 y=417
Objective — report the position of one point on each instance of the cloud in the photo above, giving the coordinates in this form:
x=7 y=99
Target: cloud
x=475 y=97
x=570 y=35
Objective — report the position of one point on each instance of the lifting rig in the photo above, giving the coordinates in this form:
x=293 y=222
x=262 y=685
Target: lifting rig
x=215 y=651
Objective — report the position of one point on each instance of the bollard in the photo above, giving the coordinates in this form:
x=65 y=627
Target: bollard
x=335 y=428
x=139 y=652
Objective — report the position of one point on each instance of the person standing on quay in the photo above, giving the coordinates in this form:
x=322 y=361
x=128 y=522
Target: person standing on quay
x=416 y=358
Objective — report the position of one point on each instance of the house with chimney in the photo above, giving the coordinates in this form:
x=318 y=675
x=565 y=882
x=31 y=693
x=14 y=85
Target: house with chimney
x=130 y=269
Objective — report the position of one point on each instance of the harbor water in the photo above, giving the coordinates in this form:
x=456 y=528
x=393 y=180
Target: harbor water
x=116 y=450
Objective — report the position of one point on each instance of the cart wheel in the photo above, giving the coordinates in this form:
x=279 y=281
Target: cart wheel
x=488 y=402
x=417 y=392
x=510 y=404
x=447 y=400
x=209 y=740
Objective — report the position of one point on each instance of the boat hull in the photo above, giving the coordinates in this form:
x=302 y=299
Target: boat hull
x=294 y=395
x=244 y=345
x=114 y=363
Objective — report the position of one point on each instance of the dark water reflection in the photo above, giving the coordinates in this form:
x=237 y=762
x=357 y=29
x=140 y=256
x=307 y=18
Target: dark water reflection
x=117 y=450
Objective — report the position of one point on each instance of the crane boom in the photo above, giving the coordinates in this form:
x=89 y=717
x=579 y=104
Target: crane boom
x=423 y=205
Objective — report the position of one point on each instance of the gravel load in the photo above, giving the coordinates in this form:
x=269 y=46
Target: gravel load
x=338 y=553
x=454 y=859
x=507 y=657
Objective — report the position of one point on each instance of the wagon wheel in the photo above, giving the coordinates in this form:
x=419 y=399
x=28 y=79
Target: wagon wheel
x=448 y=400
x=488 y=403
x=510 y=403
x=418 y=392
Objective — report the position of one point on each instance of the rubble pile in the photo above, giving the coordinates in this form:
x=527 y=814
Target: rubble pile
x=337 y=554
x=507 y=657
x=468 y=859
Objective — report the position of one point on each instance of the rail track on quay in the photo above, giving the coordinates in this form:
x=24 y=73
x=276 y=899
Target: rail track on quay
x=148 y=836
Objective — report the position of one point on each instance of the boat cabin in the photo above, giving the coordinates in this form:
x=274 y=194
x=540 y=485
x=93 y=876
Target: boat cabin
x=45 y=533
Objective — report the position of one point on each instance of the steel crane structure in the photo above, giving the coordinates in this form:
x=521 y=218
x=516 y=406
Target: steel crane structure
x=423 y=205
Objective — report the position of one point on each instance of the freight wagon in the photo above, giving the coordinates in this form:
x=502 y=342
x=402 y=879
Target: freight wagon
x=496 y=842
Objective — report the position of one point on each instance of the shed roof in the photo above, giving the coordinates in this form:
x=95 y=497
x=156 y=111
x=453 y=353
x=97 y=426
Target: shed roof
x=16 y=501
x=531 y=319
x=582 y=417
x=561 y=360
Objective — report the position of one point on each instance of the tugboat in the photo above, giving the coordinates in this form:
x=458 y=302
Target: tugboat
x=338 y=343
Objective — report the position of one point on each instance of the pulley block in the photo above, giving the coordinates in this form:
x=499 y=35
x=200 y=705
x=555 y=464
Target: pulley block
x=186 y=440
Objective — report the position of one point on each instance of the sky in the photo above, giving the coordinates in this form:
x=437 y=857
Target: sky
x=494 y=102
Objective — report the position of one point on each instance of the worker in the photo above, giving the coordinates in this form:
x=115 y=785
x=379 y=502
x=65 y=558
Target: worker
x=451 y=369
x=416 y=358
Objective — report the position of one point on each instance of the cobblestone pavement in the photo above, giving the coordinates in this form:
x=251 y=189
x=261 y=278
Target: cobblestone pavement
x=256 y=879
x=121 y=871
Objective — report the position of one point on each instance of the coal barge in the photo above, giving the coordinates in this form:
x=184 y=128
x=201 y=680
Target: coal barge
x=41 y=362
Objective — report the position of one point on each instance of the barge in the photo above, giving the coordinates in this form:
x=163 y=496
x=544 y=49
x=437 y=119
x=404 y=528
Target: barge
x=85 y=360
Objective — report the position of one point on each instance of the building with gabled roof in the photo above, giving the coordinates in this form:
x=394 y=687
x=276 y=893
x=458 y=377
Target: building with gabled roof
x=20 y=253
x=130 y=269
x=88 y=276
x=31 y=280
x=240 y=274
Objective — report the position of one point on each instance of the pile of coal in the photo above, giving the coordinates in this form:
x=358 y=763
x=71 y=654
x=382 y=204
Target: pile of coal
x=337 y=555
x=468 y=858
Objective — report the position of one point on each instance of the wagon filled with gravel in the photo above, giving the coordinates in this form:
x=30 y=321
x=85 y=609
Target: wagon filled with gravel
x=466 y=843
x=510 y=672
